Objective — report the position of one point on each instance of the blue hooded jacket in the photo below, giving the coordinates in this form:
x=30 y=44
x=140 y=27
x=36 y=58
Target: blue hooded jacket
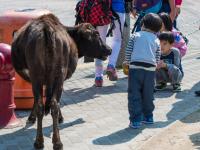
x=118 y=6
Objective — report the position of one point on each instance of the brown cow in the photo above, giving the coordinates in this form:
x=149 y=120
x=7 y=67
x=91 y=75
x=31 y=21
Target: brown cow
x=45 y=53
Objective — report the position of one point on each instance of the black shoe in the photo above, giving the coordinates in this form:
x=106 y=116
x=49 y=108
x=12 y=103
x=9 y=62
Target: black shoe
x=160 y=86
x=197 y=93
x=176 y=87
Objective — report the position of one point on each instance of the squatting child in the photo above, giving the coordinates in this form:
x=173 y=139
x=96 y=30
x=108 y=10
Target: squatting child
x=169 y=69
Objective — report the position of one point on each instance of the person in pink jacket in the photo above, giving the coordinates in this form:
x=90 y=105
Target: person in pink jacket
x=179 y=42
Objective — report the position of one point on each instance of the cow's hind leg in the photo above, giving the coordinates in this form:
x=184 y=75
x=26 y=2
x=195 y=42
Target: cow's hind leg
x=49 y=94
x=55 y=112
x=37 y=91
x=57 y=145
x=60 y=118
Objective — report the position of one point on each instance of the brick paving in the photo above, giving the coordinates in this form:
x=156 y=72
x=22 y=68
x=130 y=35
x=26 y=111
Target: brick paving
x=97 y=118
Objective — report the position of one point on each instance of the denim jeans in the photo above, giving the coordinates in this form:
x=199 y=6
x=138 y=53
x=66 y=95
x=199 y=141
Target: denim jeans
x=173 y=75
x=140 y=94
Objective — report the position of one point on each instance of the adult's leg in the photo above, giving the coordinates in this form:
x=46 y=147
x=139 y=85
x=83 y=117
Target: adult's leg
x=116 y=40
x=99 y=63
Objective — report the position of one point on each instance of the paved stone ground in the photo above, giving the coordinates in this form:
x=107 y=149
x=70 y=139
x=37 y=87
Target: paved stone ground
x=175 y=138
x=97 y=118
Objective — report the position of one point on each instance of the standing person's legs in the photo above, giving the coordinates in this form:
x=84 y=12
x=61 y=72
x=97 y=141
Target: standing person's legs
x=166 y=8
x=134 y=97
x=148 y=96
x=115 y=44
x=99 y=63
x=116 y=40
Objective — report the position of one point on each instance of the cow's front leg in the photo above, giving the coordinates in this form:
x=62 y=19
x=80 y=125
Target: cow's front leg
x=32 y=116
x=57 y=144
x=60 y=119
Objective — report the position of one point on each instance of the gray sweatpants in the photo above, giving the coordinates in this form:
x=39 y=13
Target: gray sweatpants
x=172 y=75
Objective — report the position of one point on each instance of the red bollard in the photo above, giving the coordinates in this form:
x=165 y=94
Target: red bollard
x=7 y=105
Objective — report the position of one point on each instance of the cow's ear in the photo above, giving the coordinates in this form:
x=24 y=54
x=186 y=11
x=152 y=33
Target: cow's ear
x=88 y=26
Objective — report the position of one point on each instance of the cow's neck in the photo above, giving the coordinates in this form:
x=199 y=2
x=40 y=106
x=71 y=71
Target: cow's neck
x=73 y=32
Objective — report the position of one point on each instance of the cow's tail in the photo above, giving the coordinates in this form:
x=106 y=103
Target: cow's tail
x=49 y=41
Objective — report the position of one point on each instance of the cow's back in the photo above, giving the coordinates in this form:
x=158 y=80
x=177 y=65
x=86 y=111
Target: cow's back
x=43 y=48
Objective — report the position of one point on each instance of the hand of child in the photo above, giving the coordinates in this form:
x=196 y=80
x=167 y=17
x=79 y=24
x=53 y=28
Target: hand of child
x=125 y=67
x=161 y=64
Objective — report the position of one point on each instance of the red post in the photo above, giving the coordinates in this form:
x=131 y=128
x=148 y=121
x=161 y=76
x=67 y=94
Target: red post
x=7 y=105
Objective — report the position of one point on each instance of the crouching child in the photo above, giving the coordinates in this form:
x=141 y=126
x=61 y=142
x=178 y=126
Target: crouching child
x=169 y=69
x=142 y=56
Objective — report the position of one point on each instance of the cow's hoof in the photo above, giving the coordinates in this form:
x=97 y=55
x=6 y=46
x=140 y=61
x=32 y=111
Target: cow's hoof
x=58 y=146
x=61 y=119
x=38 y=145
x=31 y=120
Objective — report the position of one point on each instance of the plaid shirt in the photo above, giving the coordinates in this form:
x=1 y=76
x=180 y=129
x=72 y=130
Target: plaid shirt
x=92 y=11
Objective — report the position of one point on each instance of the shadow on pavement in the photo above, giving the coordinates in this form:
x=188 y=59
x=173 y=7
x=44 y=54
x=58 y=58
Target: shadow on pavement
x=127 y=134
x=194 y=118
x=118 y=137
x=195 y=138
x=78 y=95
x=25 y=132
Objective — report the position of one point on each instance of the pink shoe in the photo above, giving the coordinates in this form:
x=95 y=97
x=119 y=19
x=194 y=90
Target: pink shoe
x=99 y=81
x=111 y=73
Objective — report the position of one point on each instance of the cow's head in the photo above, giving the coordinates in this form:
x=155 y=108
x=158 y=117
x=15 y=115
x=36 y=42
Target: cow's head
x=88 y=41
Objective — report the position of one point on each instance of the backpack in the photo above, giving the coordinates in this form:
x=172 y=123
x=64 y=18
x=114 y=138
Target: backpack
x=148 y=6
x=96 y=12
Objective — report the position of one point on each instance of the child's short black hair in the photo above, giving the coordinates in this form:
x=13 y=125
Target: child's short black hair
x=152 y=21
x=166 y=21
x=166 y=36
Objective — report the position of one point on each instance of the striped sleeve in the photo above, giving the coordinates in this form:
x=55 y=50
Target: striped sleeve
x=158 y=53
x=129 y=48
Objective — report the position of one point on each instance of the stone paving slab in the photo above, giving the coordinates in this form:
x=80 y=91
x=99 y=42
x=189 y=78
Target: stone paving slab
x=97 y=118
x=182 y=134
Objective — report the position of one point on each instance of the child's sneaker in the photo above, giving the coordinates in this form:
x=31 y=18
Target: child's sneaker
x=111 y=73
x=135 y=125
x=148 y=120
x=176 y=87
x=160 y=86
x=99 y=81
